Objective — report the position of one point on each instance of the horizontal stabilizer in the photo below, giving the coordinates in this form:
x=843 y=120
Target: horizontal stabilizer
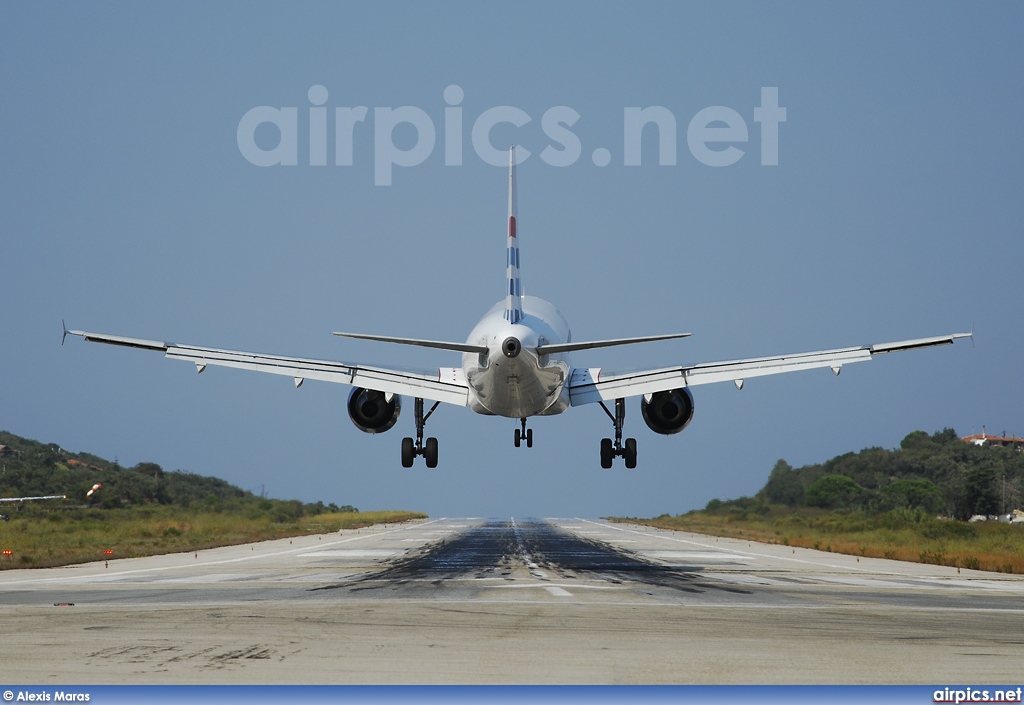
x=570 y=347
x=439 y=344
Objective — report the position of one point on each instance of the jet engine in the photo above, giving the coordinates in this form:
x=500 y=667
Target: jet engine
x=668 y=412
x=371 y=411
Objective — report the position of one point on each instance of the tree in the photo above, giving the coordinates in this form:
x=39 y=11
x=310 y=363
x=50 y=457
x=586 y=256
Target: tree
x=151 y=469
x=946 y=436
x=833 y=492
x=982 y=491
x=912 y=493
x=783 y=486
x=916 y=440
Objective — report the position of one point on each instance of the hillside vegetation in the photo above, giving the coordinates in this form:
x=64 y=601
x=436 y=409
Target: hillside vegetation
x=911 y=503
x=142 y=510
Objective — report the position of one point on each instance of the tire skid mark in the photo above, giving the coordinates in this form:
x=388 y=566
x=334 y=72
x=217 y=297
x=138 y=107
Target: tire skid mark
x=495 y=549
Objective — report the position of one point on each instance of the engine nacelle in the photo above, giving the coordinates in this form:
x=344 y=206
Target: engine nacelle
x=668 y=412
x=371 y=411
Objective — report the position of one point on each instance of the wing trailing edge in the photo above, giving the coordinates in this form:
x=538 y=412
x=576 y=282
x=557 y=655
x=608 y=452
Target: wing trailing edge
x=588 y=386
x=440 y=384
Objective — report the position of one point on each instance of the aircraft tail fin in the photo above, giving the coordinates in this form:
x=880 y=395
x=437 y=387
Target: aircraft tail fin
x=513 y=284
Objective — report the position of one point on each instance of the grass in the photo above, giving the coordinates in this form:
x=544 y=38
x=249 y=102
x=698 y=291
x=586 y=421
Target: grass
x=904 y=535
x=39 y=538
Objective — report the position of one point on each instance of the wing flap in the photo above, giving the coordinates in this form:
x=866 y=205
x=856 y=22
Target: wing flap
x=425 y=385
x=760 y=367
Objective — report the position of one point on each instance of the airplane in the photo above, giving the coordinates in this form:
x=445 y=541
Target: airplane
x=29 y=499
x=515 y=364
x=5 y=517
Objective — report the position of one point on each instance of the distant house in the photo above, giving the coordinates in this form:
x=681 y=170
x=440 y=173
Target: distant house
x=981 y=439
x=5 y=451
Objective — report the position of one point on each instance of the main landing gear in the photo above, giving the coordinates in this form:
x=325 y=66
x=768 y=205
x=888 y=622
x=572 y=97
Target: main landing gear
x=611 y=450
x=410 y=448
x=524 y=434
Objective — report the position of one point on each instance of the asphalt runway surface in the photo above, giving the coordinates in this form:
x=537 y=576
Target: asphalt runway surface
x=510 y=601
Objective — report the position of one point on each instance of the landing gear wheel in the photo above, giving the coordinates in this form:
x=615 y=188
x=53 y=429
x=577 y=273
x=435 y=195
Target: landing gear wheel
x=629 y=453
x=408 y=453
x=610 y=450
x=523 y=434
x=411 y=448
x=431 y=452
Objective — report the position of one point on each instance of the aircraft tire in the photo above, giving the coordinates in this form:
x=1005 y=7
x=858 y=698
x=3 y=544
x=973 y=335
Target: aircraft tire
x=431 y=452
x=629 y=454
x=606 y=453
x=518 y=438
x=529 y=438
x=408 y=453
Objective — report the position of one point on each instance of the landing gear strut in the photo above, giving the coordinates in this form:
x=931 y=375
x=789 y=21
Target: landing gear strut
x=410 y=448
x=524 y=434
x=615 y=449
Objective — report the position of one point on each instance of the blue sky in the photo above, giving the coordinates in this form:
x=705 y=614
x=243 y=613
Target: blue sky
x=127 y=206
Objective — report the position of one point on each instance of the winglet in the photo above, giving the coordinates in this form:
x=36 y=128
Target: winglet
x=513 y=284
x=65 y=327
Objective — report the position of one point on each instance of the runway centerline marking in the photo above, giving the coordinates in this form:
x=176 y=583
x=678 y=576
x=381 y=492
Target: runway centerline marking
x=562 y=586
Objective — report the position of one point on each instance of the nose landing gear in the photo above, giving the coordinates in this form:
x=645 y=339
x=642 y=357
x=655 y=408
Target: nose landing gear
x=524 y=434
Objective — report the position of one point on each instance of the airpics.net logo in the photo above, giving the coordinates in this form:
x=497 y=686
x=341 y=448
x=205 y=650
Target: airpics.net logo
x=712 y=134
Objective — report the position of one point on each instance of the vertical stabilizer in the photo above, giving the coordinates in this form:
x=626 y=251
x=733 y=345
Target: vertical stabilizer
x=513 y=285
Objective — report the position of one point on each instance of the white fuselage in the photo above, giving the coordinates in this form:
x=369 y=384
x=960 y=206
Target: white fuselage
x=526 y=384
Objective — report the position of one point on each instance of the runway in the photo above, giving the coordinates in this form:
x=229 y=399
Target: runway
x=510 y=601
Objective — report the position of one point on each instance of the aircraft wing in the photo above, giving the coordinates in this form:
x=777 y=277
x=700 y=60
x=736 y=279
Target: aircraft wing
x=446 y=384
x=588 y=386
